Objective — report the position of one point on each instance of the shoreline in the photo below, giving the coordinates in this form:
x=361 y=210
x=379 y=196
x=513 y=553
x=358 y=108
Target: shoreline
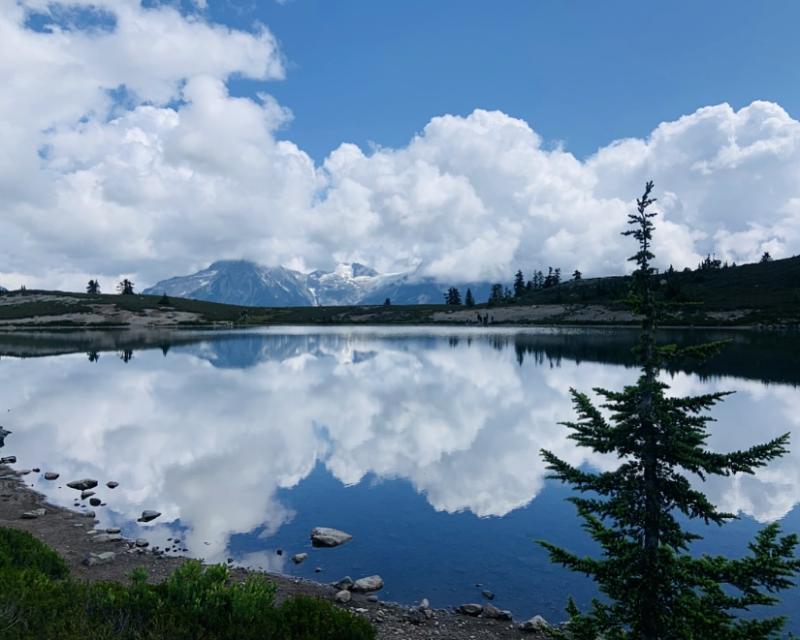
x=67 y=532
x=61 y=311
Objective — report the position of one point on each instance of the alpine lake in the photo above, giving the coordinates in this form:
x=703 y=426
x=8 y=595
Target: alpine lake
x=423 y=443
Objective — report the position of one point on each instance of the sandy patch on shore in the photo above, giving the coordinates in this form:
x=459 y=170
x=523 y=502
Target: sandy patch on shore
x=537 y=313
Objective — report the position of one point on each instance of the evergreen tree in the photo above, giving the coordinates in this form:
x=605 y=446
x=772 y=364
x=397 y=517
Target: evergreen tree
x=93 y=288
x=496 y=294
x=653 y=587
x=387 y=302
x=766 y=257
x=125 y=287
x=163 y=301
x=709 y=264
x=577 y=275
x=519 y=284
x=468 y=299
x=452 y=297
x=552 y=278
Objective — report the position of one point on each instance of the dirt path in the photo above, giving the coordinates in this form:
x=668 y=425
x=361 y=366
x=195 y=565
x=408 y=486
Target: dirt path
x=68 y=533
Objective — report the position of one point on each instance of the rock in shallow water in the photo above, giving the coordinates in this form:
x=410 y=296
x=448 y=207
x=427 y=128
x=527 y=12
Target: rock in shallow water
x=82 y=485
x=297 y=558
x=370 y=583
x=148 y=515
x=8 y=460
x=111 y=484
x=327 y=537
x=50 y=475
x=95 y=502
x=86 y=494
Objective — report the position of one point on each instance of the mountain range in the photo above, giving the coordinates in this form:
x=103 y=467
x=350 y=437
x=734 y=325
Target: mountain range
x=247 y=283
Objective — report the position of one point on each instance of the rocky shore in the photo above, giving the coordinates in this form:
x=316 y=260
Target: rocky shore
x=105 y=555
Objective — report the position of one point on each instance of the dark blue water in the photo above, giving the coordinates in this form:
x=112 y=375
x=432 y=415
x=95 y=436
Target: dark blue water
x=424 y=445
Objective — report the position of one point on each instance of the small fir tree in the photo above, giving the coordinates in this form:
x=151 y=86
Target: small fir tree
x=577 y=275
x=765 y=257
x=93 y=288
x=653 y=588
x=387 y=302
x=125 y=287
x=469 y=300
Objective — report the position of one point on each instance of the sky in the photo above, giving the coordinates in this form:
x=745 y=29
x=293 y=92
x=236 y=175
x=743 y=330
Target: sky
x=461 y=140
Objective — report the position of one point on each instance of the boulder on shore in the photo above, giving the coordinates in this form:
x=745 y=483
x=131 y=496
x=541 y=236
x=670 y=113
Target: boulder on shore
x=343 y=596
x=82 y=485
x=3 y=434
x=107 y=537
x=328 y=537
x=370 y=583
x=99 y=558
x=473 y=610
x=493 y=613
x=537 y=623
x=344 y=583
x=33 y=514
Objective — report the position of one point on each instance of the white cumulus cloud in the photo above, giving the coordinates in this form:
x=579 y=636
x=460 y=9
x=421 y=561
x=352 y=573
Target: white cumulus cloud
x=123 y=152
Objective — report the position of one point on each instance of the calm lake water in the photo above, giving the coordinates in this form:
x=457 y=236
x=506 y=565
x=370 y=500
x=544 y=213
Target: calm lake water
x=422 y=443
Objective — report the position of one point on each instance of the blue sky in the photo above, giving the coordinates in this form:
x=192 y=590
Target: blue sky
x=455 y=140
x=584 y=73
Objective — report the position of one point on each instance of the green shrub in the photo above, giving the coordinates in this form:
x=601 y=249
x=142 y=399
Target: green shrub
x=38 y=601
x=20 y=550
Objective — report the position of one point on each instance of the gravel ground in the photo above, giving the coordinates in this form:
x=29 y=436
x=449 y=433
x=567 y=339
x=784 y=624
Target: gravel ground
x=67 y=532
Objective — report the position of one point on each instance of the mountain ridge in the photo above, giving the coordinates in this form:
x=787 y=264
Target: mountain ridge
x=247 y=283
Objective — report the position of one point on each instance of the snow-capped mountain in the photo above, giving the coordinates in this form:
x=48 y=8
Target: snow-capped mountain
x=240 y=282
x=247 y=283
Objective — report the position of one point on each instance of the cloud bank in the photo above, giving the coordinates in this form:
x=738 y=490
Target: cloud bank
x=124 y=153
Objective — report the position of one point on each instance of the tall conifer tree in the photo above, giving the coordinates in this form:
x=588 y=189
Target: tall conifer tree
x=519 y=284
x=653 y=587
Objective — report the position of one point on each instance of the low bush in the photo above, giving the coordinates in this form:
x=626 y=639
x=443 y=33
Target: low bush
x=38 y=600
x=20 y=550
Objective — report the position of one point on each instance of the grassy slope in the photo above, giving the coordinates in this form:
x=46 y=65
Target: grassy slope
x=212 y=312
x=772 y=287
